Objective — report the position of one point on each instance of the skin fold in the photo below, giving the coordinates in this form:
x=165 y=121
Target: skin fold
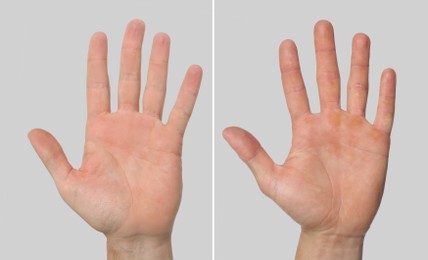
x=332 y=180
x=129 y=183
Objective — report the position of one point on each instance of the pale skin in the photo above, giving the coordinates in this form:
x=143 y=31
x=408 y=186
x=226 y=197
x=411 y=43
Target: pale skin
x=129 y=183
x=332 y=180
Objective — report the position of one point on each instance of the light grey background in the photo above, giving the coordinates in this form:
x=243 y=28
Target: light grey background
x=43 y=65
x=249 y=94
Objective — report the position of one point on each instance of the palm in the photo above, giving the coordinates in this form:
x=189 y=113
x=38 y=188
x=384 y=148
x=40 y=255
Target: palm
x=129 y=183
x=333 y=177
x=332 y=181
x=132 y=175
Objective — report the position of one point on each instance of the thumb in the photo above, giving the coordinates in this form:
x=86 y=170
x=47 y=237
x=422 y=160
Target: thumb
x=252 y=153
x=51 y=154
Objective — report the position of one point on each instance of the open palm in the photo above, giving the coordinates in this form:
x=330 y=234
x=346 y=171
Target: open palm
x=332 y=180
x=129 y=183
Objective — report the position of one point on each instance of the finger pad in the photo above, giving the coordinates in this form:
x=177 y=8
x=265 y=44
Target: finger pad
x=244 y=143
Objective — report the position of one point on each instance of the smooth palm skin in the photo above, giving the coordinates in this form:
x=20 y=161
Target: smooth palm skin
x=131 y=169
x=332 y=180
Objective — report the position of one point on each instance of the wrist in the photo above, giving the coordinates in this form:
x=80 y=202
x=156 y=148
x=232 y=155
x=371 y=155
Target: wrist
x=316 y=245
x=141 y=248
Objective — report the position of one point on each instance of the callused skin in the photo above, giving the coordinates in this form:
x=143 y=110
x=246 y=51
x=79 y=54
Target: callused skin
x=129 y=184
x=333 y=178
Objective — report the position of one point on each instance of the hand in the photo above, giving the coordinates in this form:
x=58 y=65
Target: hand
x=333 y=178
x=129 y=184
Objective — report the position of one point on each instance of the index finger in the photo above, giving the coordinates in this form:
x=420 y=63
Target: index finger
x=292 y=80
x=97 y=82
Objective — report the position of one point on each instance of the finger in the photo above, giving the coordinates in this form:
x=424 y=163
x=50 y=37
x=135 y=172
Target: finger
x=130 y=66
x=359 y=77
x=183 y=107
x=386 y=104
x=97 y=82
x=292 y=80
x=154 y=93
x=328 y=77
x=251 y=153
x=51 y=154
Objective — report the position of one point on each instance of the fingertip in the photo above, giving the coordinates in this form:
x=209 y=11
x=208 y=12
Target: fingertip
x=50 y=152
x=98 y=40
x=388 y=83
x=323 y=26
x=136 y=23
x=37 y=133
x=134 y=33
x=162 y=38
x=194 y=76
x=287 y=49
x=323 y=23
x=31 y=133
x=227 y=133
x=195 y=69
x=240 y=139
x=286 y=44
x=389 y=74
x=97 y=47
x=99 y=35
x=43 y=142
x=361 y=40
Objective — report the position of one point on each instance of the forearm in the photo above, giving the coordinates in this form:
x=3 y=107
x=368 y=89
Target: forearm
x=139 y=249
x=316 y=246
